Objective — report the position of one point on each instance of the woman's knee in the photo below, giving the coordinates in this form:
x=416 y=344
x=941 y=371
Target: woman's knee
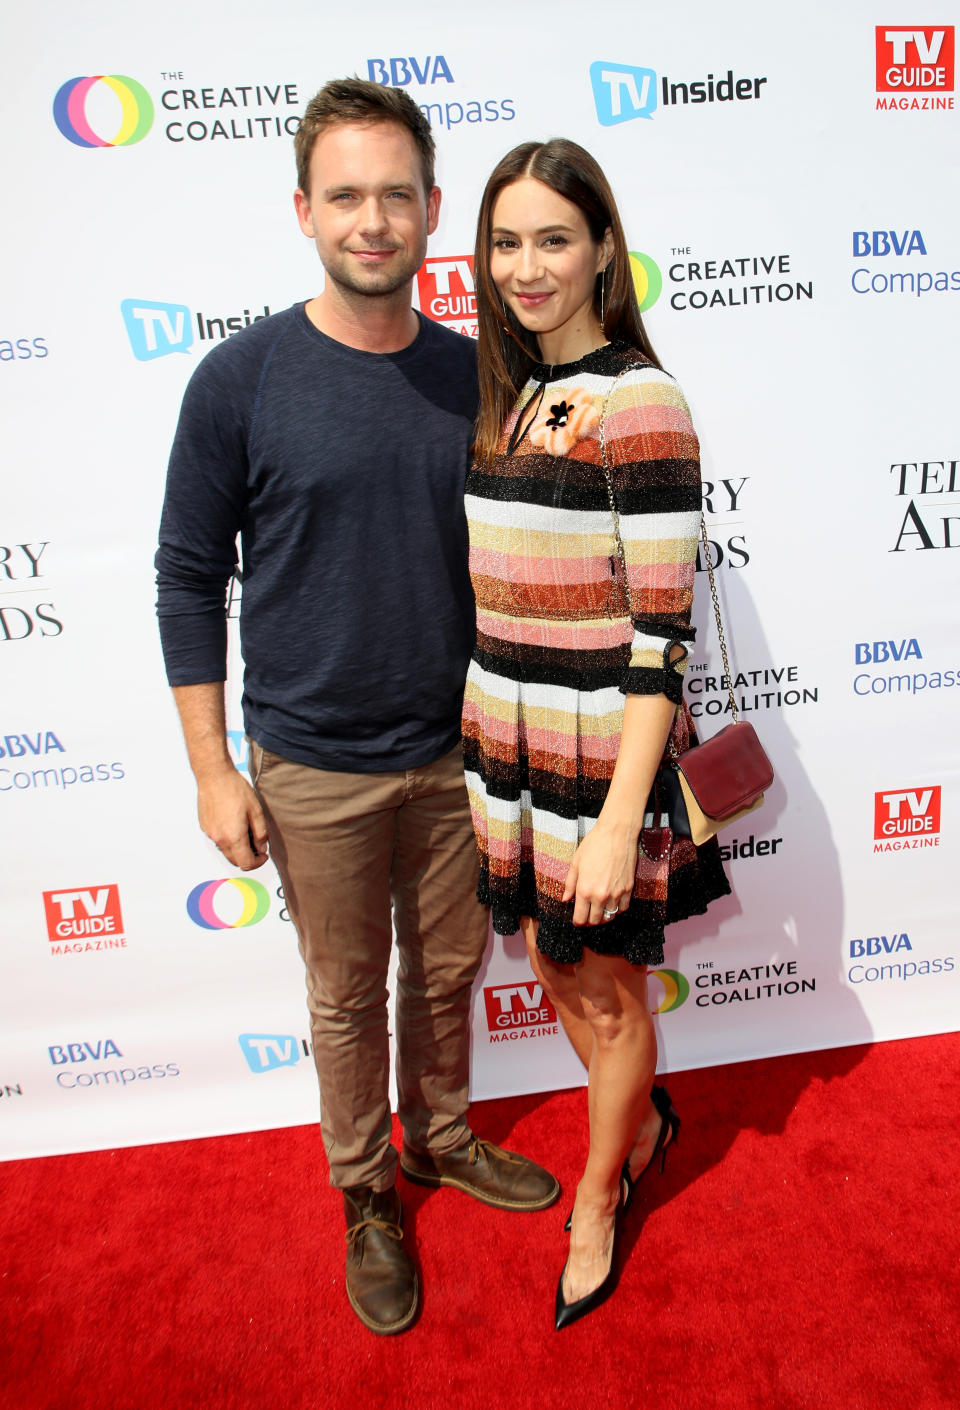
x=614 y=1001
x=606 y=1018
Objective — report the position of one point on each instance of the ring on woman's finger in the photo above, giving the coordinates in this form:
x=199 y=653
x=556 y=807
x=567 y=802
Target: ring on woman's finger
x=614 y=912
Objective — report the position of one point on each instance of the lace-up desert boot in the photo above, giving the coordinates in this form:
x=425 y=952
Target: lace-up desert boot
x=381 y=1278
x=485 y=1171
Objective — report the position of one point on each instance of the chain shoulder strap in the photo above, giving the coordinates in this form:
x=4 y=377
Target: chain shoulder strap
x=623 y=557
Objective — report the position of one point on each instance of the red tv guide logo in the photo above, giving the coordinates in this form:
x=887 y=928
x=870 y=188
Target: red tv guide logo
x=82 y=912
x=915 y=58
x=447 y=292
x=906 y=812
x=517 y=1006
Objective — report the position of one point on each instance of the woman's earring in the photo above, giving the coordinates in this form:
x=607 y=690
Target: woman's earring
x=603 y=281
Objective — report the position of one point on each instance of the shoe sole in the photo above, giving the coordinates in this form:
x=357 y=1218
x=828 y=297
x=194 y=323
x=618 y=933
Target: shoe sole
x=496 y=1201
x=388 y=1329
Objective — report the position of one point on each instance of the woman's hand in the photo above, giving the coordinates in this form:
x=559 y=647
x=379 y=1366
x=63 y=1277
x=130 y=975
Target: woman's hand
x=602 y=873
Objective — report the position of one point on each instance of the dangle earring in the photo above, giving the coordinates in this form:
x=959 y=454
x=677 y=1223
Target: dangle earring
x=603 y=282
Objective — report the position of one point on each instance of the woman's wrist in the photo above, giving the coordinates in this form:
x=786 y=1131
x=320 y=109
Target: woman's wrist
x=621 y=820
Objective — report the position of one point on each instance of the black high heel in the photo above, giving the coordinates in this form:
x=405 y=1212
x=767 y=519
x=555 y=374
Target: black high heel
x=565 y=1313
x=668 y=1134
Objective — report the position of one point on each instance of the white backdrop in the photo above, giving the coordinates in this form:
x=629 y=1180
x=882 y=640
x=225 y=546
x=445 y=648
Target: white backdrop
x=798 y=212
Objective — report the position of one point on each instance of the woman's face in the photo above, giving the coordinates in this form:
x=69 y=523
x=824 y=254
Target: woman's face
x=545 y=264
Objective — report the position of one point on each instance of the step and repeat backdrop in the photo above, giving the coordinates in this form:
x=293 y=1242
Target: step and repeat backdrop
x=788 y=182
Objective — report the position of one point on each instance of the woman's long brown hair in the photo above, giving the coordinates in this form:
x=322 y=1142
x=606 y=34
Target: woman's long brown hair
x=505 y=349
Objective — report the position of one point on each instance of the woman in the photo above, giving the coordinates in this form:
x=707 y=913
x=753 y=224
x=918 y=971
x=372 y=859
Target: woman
x=570 y=703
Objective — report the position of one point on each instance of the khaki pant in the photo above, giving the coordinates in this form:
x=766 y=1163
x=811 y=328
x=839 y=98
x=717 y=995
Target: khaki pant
x=346 y=846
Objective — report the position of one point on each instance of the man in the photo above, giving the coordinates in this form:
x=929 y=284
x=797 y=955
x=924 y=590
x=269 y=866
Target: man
x=333 y=438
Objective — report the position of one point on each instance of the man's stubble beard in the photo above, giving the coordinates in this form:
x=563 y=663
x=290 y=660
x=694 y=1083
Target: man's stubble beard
x=381 y=283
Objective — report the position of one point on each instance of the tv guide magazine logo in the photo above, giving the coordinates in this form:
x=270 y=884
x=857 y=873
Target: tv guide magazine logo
x=915 y=67
x=519 y=1011
x=447 y=292
x=905 y=819
x=84 y=919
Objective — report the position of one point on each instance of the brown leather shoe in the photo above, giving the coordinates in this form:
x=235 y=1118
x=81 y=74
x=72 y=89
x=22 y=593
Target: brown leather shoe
x=495 y=1176
x=381 y=1278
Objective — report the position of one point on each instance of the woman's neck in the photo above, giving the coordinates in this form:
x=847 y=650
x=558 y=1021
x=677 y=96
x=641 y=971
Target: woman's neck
x=570 y=344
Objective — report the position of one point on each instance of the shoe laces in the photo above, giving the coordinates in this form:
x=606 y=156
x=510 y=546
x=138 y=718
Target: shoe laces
x=479 y=1147
x=357 y=1232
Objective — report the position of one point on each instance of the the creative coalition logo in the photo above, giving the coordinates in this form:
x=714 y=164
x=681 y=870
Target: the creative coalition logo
x=264 y=1052
x=880 y=948
x=79 y=107
x=892 y=672
x=84 y=919
x=22 y=619
x=447 y=292
x=158 y=329
x=18 y=774
x=74 y=1060
x=228 y=904
x=767 y=688
x=733 y=281
x=428 y=70
x=899 y=278
x=906 y=819
x=675 y=986
x=926 y=525
x=915 y=67
x=622 y=92
x=647 y=279
x=779 y=979
x=114 y=110
x=519 y=1011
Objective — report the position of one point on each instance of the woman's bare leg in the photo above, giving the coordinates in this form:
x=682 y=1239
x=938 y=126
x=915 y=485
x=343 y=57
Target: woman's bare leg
x=622 y=1064
x=561 y=987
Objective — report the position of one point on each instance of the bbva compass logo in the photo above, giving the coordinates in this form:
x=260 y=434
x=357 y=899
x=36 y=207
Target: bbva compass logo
x=84 y=105
x=231 y=903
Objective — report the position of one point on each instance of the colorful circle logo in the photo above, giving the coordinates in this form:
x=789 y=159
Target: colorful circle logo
x=676 y=989
x=647 y=279
x=136 y=105
x=212 y=903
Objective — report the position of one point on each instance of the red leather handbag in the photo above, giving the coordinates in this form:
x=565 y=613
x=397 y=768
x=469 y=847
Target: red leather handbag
x=722 y=779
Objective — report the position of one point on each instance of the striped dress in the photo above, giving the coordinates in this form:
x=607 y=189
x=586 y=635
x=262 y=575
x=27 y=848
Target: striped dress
x=556 y=649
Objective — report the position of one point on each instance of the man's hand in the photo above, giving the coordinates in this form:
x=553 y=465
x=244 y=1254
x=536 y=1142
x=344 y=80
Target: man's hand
x=228 y=808
x=230 y=814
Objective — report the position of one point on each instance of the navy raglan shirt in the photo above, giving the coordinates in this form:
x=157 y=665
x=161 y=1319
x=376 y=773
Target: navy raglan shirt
x=342 y=472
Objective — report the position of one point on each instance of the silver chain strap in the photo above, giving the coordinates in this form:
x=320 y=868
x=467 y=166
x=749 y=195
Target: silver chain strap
x=623 y=557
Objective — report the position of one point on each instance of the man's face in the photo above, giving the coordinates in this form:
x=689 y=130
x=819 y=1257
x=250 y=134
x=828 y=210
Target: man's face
x=367 y=211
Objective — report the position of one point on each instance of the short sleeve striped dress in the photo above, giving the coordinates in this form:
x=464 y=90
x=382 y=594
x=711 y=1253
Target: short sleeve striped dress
x=556 y=648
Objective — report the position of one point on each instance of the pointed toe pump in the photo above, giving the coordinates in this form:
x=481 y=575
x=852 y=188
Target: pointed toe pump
x=566 y=1313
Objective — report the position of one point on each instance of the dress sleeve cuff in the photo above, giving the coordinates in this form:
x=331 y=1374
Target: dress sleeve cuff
x=651 y=672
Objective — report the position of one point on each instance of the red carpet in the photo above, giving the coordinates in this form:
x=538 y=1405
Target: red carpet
x=802 y=1250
